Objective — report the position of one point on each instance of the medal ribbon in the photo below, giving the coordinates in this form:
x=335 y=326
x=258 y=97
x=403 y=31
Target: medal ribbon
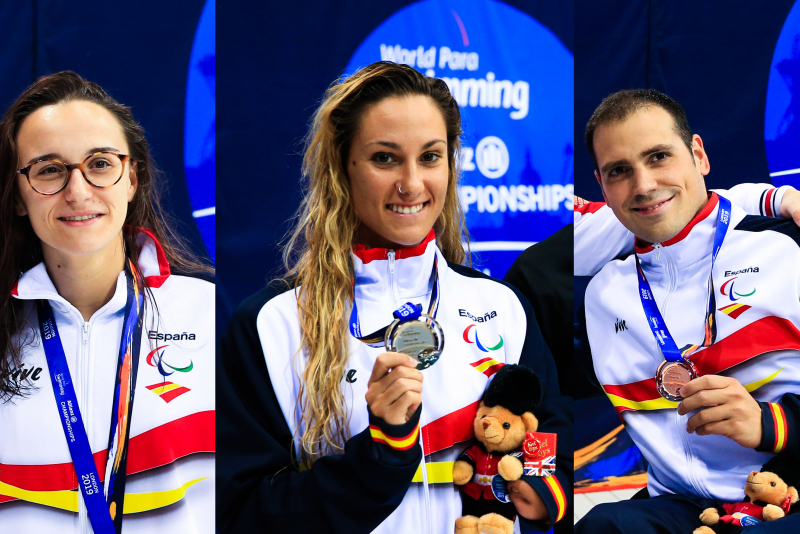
x=657 y=325
x=405 y=312
x=105 y=513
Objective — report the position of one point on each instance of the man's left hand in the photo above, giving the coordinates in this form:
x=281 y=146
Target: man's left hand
x=729 y=410
x=528 y=503
x=790 y=206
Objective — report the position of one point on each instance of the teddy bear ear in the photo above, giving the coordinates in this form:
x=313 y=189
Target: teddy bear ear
x=530 y=422
x=793 y=493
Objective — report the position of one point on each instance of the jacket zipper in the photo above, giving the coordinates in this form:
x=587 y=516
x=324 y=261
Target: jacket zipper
x=390 y=257
x=681 y=428
x=425 y=490
x=423 y=466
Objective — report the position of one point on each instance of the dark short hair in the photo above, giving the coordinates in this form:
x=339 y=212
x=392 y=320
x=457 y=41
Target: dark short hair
x=622 y=104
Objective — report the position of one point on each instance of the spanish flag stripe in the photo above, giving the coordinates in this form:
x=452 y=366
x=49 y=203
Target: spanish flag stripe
x=656 y=404
x=485 y=365
x=731 y=307
x=762 y=336
x=68 y=499
x=167 y=387
x=558 y=494
x=780 y=427
x=660 y=403
x=479 y=362
x=493 y=369
x=438 y=473
x=157 y=386
x=395 y=443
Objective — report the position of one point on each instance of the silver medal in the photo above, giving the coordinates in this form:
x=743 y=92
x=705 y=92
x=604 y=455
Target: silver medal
x=420 y=338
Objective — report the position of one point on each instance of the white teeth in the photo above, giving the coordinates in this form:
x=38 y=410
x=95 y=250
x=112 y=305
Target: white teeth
x=405 y=209
x=80 y=218
x=651 y=207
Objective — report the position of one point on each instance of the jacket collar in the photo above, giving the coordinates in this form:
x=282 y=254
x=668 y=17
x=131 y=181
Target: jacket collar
x=395 y=276
x=693 y=243
x=36 y=284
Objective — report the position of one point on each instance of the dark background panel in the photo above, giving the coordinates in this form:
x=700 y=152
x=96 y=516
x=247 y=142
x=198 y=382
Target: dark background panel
x=712 y=57
x=138 y=51
x=275 y=62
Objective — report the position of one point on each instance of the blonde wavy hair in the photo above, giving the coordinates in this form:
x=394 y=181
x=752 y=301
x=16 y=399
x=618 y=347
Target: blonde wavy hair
x=318 y=256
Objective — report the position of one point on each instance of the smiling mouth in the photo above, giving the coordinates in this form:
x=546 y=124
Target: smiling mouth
x=405 y=210
x=652 y=208
x=80 y=218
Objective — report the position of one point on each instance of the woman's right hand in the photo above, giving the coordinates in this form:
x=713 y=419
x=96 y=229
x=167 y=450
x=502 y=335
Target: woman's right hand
x=395 y=388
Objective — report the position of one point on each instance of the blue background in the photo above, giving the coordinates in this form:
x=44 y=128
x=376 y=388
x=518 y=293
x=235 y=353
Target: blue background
x=782 y=117
x=275 y=63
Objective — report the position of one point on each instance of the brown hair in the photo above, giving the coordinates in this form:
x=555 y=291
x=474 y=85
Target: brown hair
x=622 y=104
x=318 y=255
x=20 y=249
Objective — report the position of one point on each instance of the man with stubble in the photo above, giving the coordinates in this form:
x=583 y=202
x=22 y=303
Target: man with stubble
x=706 y=374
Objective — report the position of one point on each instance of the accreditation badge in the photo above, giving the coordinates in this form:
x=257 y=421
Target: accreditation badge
x=415 y=334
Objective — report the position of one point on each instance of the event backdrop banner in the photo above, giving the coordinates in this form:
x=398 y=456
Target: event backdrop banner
x=513 y=79
x=199 y=136
x=782 y=115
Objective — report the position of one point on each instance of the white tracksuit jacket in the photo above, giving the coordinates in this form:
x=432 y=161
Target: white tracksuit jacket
x=170 y=484
x=600 y=237
x=757 y=291
x=265 y=489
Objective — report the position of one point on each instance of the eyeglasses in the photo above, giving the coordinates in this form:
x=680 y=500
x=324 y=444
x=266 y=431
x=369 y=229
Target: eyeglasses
x=100 y=169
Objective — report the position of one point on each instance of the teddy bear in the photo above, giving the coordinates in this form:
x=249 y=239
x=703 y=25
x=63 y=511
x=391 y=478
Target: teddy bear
x=504 y=419
x=768 y=496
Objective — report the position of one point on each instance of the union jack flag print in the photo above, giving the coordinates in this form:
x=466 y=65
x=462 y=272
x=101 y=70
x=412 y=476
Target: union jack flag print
x=540 y=467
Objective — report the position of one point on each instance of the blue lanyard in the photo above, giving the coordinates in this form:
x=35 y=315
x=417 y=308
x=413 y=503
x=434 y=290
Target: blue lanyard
x=72 y=421
x=657 y=325
x=406 y=312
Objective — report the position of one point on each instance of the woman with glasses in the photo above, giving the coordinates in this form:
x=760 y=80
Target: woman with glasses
x=322 y=427
x=106 y=379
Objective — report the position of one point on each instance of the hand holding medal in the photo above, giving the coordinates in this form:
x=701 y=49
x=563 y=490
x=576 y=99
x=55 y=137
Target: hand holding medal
x=395 y=388
x=725 y=407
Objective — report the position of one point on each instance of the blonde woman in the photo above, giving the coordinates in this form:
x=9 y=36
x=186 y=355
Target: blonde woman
x=322 y=431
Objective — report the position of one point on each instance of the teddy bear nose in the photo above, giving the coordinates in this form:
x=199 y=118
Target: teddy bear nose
x=486 y=424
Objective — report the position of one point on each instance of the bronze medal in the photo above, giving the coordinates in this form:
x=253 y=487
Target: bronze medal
x=672 y=376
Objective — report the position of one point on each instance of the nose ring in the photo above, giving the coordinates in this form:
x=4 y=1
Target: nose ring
x=400 y=190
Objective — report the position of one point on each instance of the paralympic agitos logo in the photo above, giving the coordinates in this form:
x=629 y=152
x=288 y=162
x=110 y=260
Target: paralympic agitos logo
x=156 y=359
x=478 y=341
x=730 y=294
